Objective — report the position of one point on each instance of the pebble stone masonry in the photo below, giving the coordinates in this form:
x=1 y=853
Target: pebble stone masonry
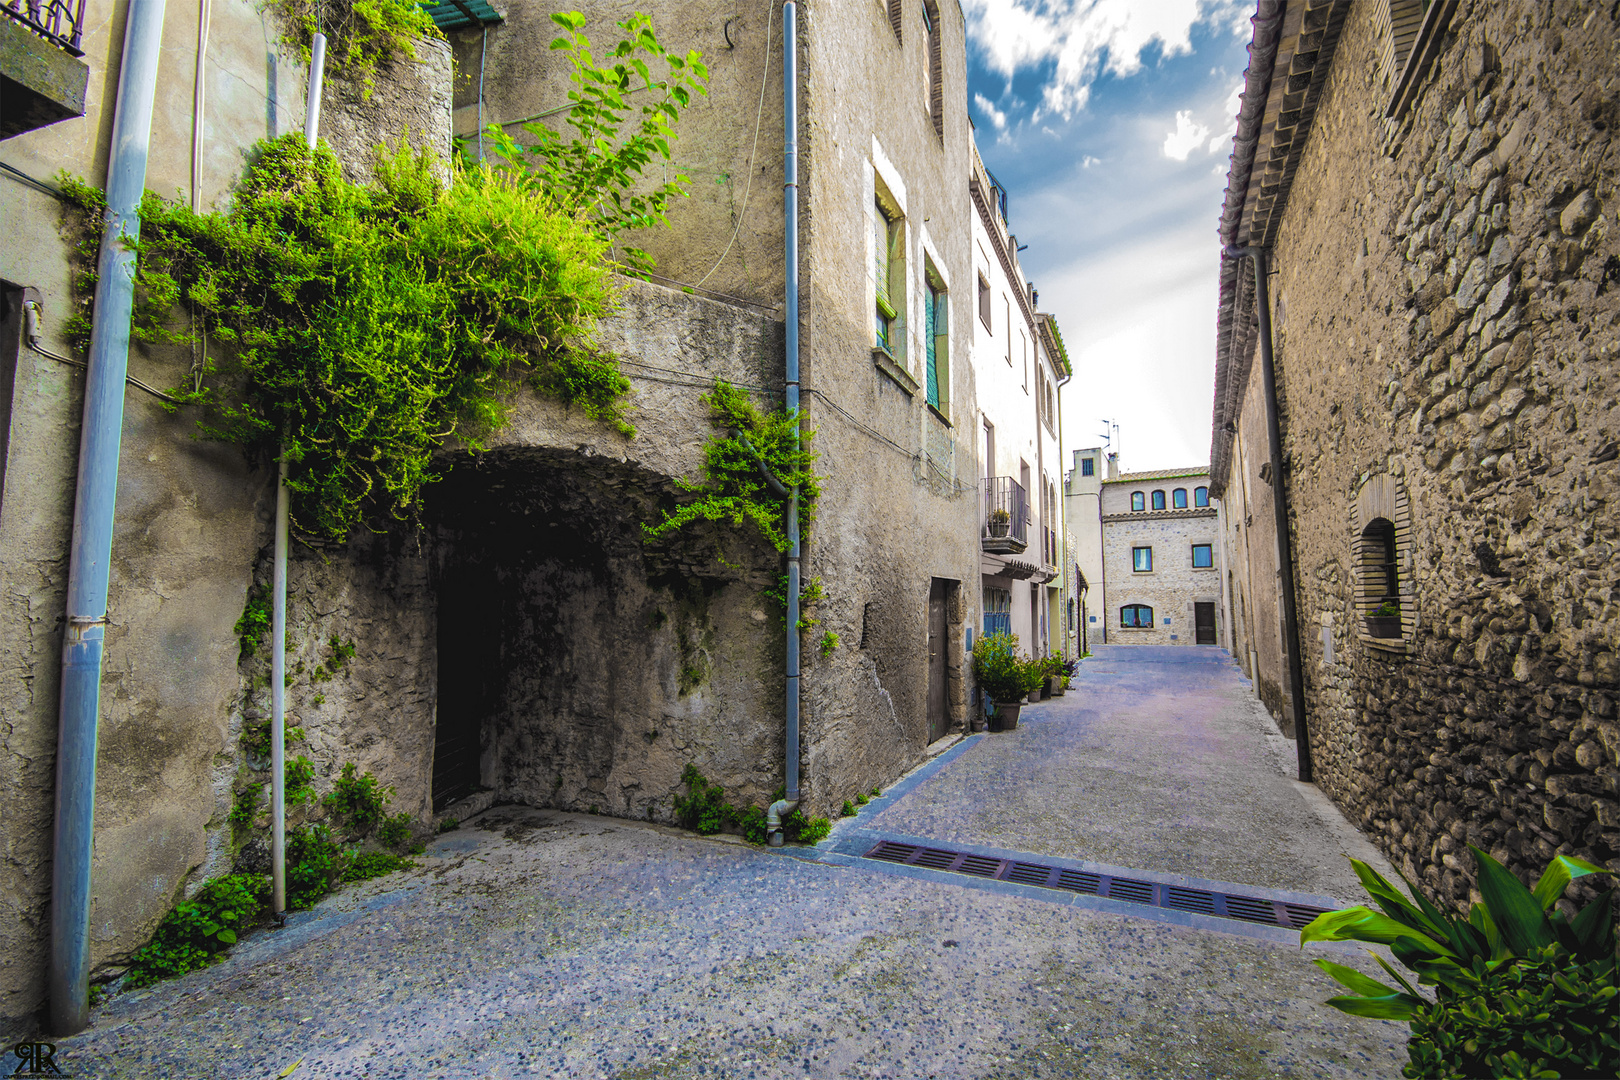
x=1445 y=302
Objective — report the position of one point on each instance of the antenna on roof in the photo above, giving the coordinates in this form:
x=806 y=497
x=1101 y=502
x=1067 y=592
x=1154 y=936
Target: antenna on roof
x=1110 y=436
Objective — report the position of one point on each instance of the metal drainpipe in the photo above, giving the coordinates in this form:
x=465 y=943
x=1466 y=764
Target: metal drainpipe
x=96 y=495
x=790 y=242
x=1285 y=548
x=278 y=601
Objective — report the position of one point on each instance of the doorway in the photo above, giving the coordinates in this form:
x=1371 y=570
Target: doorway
x=1204 y=622
x=938 y=649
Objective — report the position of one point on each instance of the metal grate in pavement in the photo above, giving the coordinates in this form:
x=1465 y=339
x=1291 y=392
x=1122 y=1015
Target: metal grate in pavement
x=1221 y=905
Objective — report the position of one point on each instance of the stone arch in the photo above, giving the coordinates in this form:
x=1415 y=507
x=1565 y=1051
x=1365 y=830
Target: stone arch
x=1381 y=558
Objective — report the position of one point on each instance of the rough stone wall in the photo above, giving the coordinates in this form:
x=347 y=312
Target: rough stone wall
x=1445 y=318
x=1172 y=586
x=410 y=101
x=1250 y=540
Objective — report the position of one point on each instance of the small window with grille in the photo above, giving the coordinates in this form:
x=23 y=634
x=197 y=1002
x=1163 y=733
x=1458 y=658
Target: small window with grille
x=1136 y=615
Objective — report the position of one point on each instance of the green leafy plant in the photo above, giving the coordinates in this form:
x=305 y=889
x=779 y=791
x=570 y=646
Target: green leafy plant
x=256 y=737
x=298 y=774
x=197 y=931
x=1549 y=1015
x=362 y=325
x=598 y=173
x=877 y=792
x=1482 y=1009
x=449 y=824
x=861 y=800
x=1000 y=516
x=397 y=831
x=245 y=809
x=360 y=33
x=1389 y=609
x=365 y=865
x=357 y=801
x=733 y=489
x=848 y=810
x=998 y=669
x=703 y=808
x=829 y=642
x=315 y=865
x=254 y=624
x=799 y=829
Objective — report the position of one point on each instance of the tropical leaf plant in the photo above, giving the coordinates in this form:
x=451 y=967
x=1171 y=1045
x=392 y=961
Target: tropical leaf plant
x=1511 y=924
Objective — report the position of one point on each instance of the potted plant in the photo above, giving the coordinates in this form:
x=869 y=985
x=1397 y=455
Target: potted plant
x=1384 y=621
x=1035 y=679
x=1058 y=675
x=1000 y=519
x=1001 y=676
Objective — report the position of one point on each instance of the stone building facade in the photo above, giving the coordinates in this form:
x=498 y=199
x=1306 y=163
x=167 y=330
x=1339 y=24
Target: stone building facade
x=528 y=643
x=1437 y=193
x=1161 y=559
x=1082 y=510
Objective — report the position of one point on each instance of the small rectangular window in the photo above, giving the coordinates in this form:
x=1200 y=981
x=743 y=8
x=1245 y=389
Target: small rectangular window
x=1088 y=467
x=984 y=303
x=1142 y=559
x=937 y=342
x=1203 y=556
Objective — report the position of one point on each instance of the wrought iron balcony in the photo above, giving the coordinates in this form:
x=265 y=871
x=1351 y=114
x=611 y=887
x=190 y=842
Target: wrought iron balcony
x=1004 y=516
x=59 y=21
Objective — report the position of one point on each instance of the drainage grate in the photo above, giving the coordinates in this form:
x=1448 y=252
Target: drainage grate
x=1221 y=905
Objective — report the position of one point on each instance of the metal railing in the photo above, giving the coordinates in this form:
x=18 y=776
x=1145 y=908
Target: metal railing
x=1005 y=507
x=59 y=21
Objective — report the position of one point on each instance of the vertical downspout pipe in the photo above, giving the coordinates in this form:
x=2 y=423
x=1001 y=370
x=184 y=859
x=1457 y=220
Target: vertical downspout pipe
x=790 y=244
x=97 y=492
x=1279 y=490
x=278 y=589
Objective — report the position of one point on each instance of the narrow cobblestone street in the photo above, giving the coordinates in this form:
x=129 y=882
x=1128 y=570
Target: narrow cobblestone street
x=535 y=943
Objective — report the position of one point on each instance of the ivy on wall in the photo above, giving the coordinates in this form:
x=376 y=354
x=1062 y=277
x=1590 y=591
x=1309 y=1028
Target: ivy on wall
x=733 y=489
x=360 y=33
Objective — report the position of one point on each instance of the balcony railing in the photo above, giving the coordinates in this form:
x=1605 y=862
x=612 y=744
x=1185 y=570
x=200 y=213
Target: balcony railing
x=1004 y=517
x=60 y=21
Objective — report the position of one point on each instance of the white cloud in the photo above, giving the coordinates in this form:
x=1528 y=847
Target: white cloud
x=1234 y=102
x=1188 y=134
x=988 y=107
x=1083 y=38
x=1088 y=161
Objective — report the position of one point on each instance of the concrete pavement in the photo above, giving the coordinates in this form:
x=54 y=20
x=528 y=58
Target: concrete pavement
x=535 y=943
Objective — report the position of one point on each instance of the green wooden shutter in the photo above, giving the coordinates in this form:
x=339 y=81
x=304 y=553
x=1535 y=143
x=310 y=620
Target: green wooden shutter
x=930 y=322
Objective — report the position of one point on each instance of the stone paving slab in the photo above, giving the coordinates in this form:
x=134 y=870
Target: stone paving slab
x=1158 y=758
x=535 y=943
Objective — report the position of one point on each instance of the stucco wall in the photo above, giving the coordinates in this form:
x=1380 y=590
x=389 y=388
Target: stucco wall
x=1444 y=322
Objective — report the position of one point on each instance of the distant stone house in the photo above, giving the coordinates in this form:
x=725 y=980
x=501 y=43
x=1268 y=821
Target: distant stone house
x=527 y=643
x=1161 y=559
x=1434 y=190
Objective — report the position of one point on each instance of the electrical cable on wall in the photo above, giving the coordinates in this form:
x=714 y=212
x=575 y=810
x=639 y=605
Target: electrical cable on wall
x=759 y=114
x=31 y=319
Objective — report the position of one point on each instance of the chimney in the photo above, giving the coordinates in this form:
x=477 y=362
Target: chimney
x=1113 y=466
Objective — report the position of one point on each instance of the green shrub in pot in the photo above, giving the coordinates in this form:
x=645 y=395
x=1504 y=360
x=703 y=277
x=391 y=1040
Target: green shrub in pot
x=999 y=671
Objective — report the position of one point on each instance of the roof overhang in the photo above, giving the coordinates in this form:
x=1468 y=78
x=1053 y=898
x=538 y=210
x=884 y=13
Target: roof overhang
x=1289 y=57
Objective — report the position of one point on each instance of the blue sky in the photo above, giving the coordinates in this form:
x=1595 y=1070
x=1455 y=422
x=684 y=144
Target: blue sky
x=1110 y=123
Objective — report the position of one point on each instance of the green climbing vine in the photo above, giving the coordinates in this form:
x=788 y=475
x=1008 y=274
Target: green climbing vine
x=360 y=33
x=598 y=172
x=733 y=489
x=361 y=325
